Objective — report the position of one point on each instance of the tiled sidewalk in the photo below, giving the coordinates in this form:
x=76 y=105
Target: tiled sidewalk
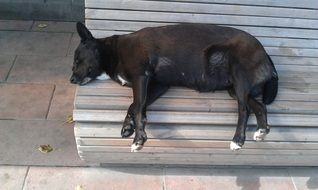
x=124 y=178
x=35 y=94
x=35 y=100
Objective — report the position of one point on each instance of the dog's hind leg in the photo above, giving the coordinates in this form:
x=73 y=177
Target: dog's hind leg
x=260 y=112
x=242 y=93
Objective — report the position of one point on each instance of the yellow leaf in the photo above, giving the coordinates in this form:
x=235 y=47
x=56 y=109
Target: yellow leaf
x=69 y=119
x=45 y=148
x=78 y=187
x=42 y=25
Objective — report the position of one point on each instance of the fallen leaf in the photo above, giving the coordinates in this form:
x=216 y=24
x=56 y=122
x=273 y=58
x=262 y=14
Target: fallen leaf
x=69 y=119
x=42 y=25
x=79 y=187
x=45 y=148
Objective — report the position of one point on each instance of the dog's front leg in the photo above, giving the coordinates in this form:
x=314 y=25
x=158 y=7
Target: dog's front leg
x=137 y=111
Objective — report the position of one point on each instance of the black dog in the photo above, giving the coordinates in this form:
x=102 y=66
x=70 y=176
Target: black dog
x=198 y=56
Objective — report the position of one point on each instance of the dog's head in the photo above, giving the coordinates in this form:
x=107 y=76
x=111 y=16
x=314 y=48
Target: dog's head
x=87 y=58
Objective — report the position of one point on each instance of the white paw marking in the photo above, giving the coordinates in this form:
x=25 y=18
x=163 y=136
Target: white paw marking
x=259 y=135
x=103 y=76
x=235 y=146
x=135 y=147
x=122 y=80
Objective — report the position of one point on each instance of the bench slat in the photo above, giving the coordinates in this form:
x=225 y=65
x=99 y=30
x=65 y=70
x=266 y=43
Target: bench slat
x=201 y=159
x=309 y=4
x=218 y=118
x=109 y=89
x=189 y=143
x=211 y=8
x=201 y=18
x=123 y=27
x=183 y=151
x=197 y=105
x=203 y=132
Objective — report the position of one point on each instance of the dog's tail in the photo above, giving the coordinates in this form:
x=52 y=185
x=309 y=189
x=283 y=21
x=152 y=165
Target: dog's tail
x=271 y=86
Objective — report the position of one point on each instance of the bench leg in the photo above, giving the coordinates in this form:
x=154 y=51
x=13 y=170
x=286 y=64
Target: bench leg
x=260 y=112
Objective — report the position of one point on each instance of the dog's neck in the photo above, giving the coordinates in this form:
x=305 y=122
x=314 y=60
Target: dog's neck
x=108 y=52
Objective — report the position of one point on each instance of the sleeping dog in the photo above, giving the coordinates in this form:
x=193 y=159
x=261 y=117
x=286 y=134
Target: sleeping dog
x=198 y=56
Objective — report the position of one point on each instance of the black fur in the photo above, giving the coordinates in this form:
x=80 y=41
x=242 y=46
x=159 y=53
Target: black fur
x=198 y=56
x=270 y=87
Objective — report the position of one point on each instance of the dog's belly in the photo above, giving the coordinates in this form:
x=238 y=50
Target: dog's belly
x=191 y=75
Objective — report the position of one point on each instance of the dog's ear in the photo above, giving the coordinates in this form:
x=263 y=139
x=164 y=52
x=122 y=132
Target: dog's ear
x=83 y=32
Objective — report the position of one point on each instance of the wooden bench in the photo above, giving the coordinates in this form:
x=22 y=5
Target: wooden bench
x=190 y=128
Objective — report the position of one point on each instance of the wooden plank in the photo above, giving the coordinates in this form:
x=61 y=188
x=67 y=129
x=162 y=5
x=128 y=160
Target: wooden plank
x=193 y=117
x=205 y=8
x=123 y=27
x=182 y=151
x=309 y=4
x=204 y=132
x=110 y=88
x=200 y=18
x=282 y=51
x=272 y=51
x=292 y=61
x=266 y=41
x=193 y=105
x=202 y=159
x=189 y=143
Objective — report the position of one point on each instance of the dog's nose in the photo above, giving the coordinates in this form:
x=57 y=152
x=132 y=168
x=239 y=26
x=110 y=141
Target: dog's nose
x=73 y=80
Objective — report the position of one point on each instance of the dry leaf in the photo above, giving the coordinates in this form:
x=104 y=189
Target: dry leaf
x=69 y=119
x=42 y=25
x=45 y=148
x=78 y=187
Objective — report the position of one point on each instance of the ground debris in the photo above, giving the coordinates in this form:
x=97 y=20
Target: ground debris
x=79 y=187
x=45 y=148
x=69 y=119
x=42 y=25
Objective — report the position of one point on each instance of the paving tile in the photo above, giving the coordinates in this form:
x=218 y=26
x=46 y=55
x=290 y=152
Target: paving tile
x=42 y=69
x=93 y=178
x=6 y=62
x=74 y=43
x=24 y=101
x=63 y=102
x=12 y=177
x=15 y=25
x=305 y=178
x=53 y=26
x=20 y=141
x=248 y=179
x=34 y=43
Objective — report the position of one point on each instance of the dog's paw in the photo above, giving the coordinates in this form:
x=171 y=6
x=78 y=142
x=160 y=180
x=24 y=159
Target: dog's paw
x=135 y=147
x=128 y=127
x=139 y=140
x=237 y=142
x=260 y=134
x=234 y=146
